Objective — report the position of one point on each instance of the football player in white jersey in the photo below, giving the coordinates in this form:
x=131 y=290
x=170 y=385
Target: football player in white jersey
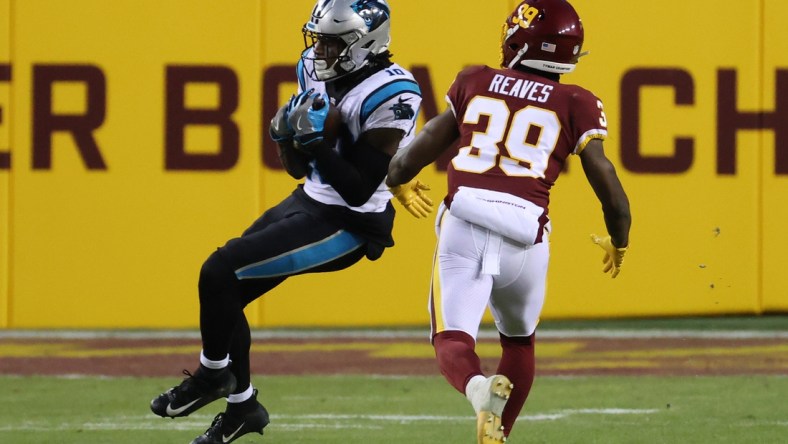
x=341 y=214
x=493 y=245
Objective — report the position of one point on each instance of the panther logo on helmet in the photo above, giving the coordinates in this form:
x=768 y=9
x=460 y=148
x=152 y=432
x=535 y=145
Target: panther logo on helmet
x=542 y=34
x=373 y=12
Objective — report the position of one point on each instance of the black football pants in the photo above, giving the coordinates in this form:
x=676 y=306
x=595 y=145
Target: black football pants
x=288 y=239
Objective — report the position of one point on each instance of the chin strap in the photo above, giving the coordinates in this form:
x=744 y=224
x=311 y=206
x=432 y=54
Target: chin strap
x=519 y=55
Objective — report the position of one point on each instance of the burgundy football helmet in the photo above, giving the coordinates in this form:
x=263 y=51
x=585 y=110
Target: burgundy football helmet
x=542 y=34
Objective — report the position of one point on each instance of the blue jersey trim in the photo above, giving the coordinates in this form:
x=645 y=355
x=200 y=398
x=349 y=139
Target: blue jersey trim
x=300 y=74
x=309 y=256
x=385 y=93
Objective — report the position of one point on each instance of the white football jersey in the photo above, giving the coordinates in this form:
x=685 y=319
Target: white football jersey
x=390 y=98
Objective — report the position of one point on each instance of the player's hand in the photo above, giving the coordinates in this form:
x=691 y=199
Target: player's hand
x=307 y=117
x=280 y=130
x=614 y=256
x=411 y=195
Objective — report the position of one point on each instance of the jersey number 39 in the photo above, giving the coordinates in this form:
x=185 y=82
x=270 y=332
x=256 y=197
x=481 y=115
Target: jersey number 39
x=529 y=139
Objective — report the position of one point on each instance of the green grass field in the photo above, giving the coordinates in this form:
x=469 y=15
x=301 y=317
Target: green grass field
x=343 y=409
x=353 y=409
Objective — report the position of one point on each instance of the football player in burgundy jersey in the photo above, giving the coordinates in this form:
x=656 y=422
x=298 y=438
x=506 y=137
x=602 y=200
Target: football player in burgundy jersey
x=516 y=126
x=341 y=214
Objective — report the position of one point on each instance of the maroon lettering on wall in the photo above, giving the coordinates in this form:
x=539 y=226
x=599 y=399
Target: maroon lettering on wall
x=178 y=117
x=81 y=126
x=273 y=77
x=730 y=120
x=5 y=156
x=632 y=83
x=429 y=109
x=779 y=122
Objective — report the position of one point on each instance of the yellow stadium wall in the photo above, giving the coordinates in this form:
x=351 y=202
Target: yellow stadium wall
x=106 y=224
x=5 y=177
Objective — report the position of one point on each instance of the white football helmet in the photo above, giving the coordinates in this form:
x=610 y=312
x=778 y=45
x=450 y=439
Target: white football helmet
x=360 y=27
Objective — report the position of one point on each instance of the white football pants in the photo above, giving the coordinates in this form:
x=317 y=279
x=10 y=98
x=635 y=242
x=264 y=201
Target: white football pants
x=464 y=282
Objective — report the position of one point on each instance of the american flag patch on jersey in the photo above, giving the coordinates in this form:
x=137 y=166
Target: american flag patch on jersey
x=549 y=47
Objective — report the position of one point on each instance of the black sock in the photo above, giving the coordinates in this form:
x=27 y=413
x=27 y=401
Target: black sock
x=240 y=408
x=210 y=373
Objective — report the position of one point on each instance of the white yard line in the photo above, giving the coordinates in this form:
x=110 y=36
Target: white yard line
x=290 y=422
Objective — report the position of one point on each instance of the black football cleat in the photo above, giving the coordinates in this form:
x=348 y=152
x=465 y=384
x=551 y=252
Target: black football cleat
x=195 y=391
x=227 y=427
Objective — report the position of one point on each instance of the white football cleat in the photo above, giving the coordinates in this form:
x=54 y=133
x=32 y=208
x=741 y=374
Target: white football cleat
x=488 y=397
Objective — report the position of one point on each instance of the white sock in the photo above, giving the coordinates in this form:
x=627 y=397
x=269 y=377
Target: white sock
x=241 y=397
x=473 y=393
x=214 y=365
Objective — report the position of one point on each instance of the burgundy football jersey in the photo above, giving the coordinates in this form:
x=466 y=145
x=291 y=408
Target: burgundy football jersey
x=517 y=129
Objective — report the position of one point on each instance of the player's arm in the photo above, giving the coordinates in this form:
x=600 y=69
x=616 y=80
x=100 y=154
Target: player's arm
x=359 y=172
x=602 y=176
x=436 y=136
x=295 y=162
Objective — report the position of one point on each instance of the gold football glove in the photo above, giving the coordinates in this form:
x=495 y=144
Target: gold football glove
x=411 y=195
x=614 y=256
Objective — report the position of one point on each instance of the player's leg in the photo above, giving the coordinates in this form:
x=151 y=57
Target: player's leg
x=458 y=299
x=223 y=294
x=517 y=364
x=286 y=240
x=243 y=413
x=223 y=328
x=516 y=303
x=325 y=248
x=213 y=378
